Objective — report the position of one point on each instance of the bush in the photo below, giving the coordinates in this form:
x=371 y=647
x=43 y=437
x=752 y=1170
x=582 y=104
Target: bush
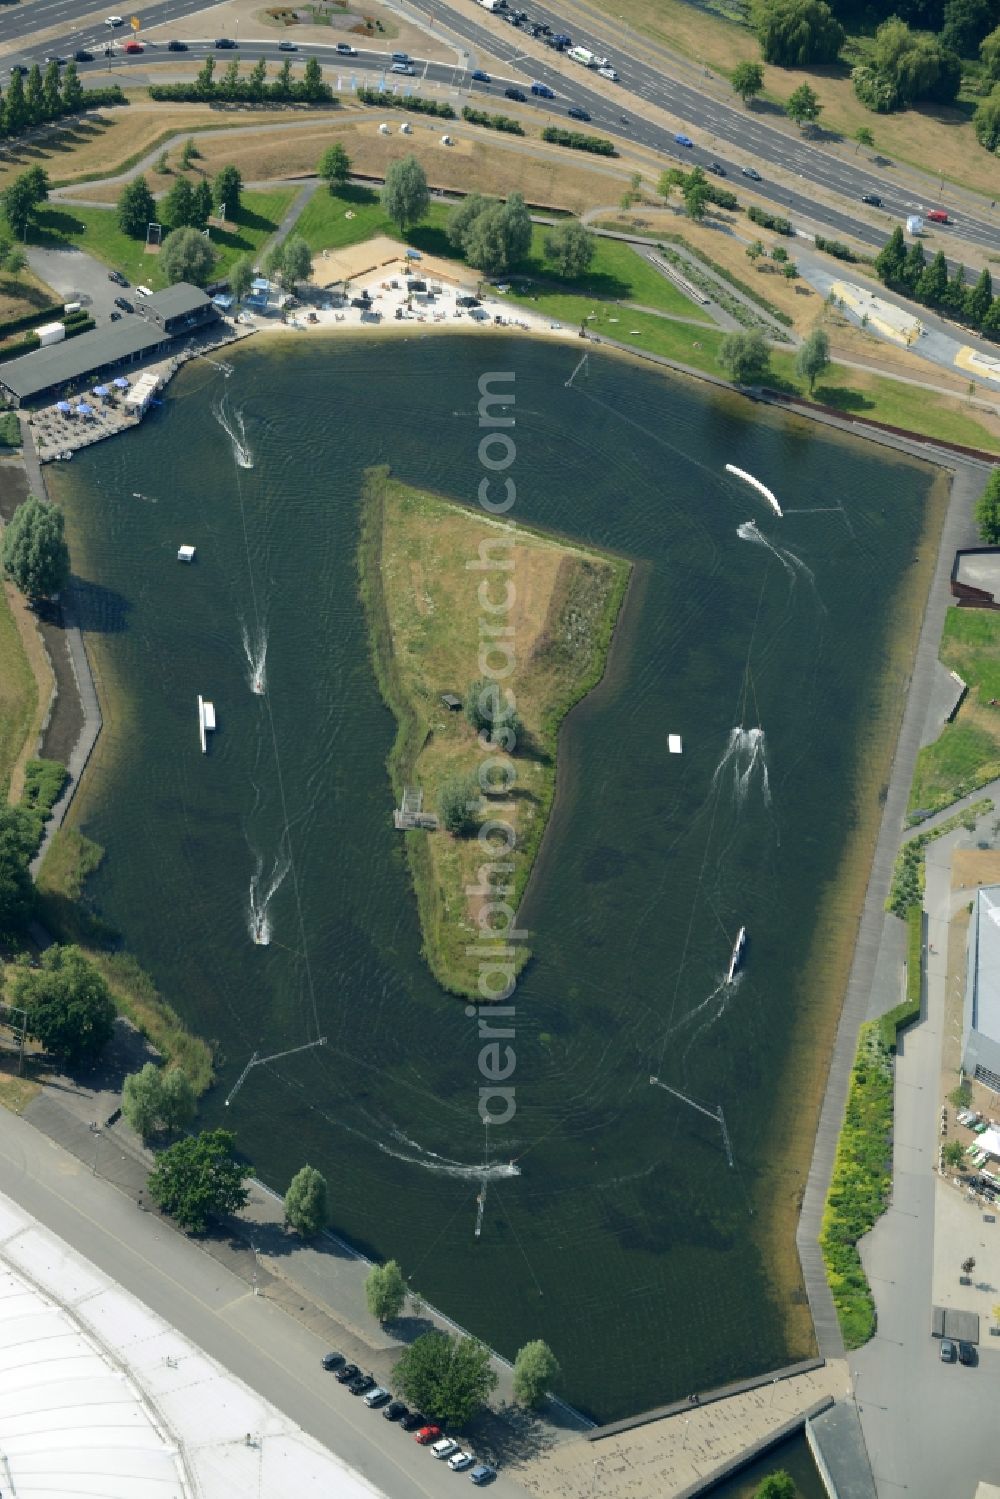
x=70 y=1010
x=44 y=781
x=770 y=221
x=48 y=314
x=398 y=101
x=83 y=325
x=10 y=430
x=836 y=248
x=458 y=800
x=503 y=123
x=577 y=141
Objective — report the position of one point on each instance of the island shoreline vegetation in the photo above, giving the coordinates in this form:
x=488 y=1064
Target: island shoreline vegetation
x=413 y=732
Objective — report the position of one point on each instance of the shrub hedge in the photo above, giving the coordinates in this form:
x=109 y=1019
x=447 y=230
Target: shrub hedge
x=396 y=101
x=577 y=141
x=492 y=122
x=767 y=220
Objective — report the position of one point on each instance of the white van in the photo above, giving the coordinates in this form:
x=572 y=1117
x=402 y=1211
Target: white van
x=114 y=21
x=144 y=291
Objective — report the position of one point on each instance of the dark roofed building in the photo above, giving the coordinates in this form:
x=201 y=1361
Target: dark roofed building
x=179 y=309
x=42 y=373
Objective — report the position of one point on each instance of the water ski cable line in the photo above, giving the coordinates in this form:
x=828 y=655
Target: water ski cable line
x=258 y=1061
x=715 y=1114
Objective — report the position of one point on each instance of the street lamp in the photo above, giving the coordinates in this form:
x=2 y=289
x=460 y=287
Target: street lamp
x=96 y=1128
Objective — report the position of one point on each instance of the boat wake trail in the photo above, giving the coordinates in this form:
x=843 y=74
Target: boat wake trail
x=258 y=920
x=255 y=651
x=235 y=430
x=442 y=1166
x=745 y=756
x=793 y=565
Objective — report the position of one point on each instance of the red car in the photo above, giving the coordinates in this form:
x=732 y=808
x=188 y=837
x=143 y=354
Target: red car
x=937 y=216
x=427 y=1434
x=134 y=47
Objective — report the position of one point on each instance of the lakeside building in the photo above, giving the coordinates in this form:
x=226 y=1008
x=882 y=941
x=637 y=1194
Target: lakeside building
x=981 y=1014
x=975 y=577
x=64 y=367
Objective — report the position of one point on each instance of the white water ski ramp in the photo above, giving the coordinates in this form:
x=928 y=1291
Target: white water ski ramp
x=206 y=721
x=741 y=473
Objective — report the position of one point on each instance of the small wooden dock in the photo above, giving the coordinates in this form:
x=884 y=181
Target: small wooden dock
x=410 y=814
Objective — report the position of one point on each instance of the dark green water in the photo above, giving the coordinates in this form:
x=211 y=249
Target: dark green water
x=625 y=1241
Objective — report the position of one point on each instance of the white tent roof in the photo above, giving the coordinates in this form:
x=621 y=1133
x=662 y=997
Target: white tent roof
x=989 y=1141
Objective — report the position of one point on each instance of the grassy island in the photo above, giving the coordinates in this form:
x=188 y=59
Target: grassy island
x=422 y=584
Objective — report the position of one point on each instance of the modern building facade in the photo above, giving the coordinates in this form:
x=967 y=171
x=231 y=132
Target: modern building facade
x=981 y=1017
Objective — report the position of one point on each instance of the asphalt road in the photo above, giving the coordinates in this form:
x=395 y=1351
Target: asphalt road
x=639 y=83
x=216 y=1310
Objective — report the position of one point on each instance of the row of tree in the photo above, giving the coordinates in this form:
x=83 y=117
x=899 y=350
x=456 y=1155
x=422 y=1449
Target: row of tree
x=909 y=271
x=52 y=95
x=187 y=204
x=232 y=87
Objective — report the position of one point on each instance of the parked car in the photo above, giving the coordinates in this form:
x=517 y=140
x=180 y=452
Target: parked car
x=444 y=1447
x=123 y=303
x=413 y=1421
x=346 y=50
x=872 y=198
x=427 y=1434
x=347 y=1373
x=948 y=1351
x=542 y=91
x=459 y=1461
x=82 y=55
x=717 y=167
x=224 y=42
x=482 y=1473
x=114 y=317
x=287 y=47
x=361 y=1385
x=144 y=291
x=752 y=173
x=177 y=46
x=516 y=94
x=966 y=1353
x=478 y=76
x=332 y=1360
x=117 y=278
x=395 y=1411
x=377 y=1397
x=683 y=140
x=576 y=113
x=134 y=47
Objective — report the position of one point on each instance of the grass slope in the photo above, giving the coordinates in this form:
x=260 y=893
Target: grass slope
x=424 y=618
x=18 y=694
x=966 y=753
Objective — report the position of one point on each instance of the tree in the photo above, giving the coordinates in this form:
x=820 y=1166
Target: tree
x=891 y=259
x=986 y=121
x=966 y=24
x=779 y=254
x=306 y=1202
x=228 y=189
x=187 y=256
x=991 y=322
x=72 y=90
x=491 y=712
x=178 y=207
x=296 y=260
x=979 y=300
x=241 y=276
x=21 y=199
x=671 y=178
x=755 y=250
x=933 y=282
x=162 y=164
x=35 y=554
x=18 y=840
x=953 y=1154
x=794 y=33
x=256 y=83
x=747 y=79
x=449 y=1378
x=746 y=356
x=778 y=1485
x=813 y=357
x=803 y=105
x=968 y=1265
x=136 y=208
x=205 y=80
x=12 y=257
x=988 y=512
x=15 y=108
x=312 y=88
x=989 y=53
x=70 y=1009
x=282 y=86
x=956 y=293
x=536 y=1370
x=405 y=196
x=914 y=265
x=696 y=195
x=34 y=96
x=498 y=235
x=202 y=205
x=458 y=802
x=199 y=1178
x=273 y=264
x=462 y=216
x=189 y=152
x=334 y=166
x=906 y=66
x=51 y=92
x=864 y=137
x=155 y=1098
x=570 y=248
x=385 y=1291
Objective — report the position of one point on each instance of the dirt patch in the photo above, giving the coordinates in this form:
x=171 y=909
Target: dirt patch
x=971 y=867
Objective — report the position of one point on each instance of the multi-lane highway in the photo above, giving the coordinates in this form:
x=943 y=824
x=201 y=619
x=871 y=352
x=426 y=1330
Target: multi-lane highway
x=615 y=108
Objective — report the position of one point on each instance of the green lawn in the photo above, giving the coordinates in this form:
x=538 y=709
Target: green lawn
x=18 y=695
x=967 y=752
x=96 y=230
x=617 y=272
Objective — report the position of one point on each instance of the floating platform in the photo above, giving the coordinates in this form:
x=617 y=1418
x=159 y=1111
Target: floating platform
x=185 y=554
x=674 y=744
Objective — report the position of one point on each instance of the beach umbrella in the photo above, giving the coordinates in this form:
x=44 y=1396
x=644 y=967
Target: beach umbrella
x=64 y=407
x=83 y=409
x=121 y=382
x=102 y=390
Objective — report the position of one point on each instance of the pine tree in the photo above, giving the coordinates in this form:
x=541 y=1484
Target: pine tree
x=932 y=284
x=956 y=292
x=282 y=86
x=72 y=90
x=979 y=299
x=15 y=109
x=178 y=206
x=991 y=322
x=34 y=96
x=312 y=88
x=202 y=205
x=51 y=94
x=257 y=81
x=914 y=265
x=136 y=208
x=890 y=260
